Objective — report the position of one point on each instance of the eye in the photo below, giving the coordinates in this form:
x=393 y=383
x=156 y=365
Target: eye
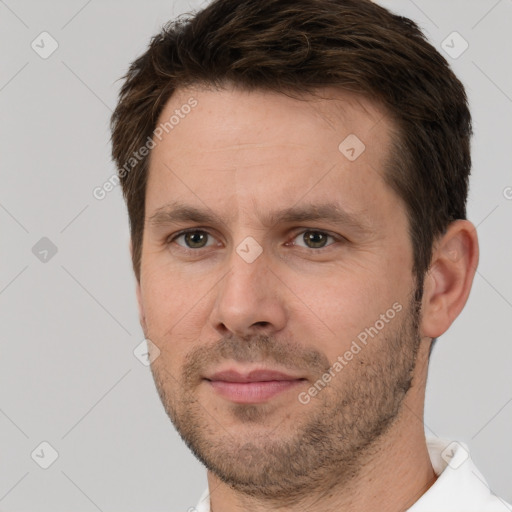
x=312 y=239
x=193 y=239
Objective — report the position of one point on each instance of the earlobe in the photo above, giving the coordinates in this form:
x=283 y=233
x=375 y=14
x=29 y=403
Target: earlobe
x=450 y=276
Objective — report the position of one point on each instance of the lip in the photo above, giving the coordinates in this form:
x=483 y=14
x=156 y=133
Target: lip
x=256 y=375
x=251 y=387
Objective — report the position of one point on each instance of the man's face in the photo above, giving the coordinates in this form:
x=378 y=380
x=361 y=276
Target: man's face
x=272 y=281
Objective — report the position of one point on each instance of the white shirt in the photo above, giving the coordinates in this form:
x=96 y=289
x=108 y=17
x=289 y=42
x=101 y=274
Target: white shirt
x=460 y=487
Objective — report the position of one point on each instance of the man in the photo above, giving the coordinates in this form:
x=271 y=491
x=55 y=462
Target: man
x=296 y=175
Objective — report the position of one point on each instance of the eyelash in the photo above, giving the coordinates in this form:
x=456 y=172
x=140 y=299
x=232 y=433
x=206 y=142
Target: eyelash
x=335 y=238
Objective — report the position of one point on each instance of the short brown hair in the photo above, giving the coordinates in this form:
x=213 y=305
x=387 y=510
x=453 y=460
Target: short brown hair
x=301 y=46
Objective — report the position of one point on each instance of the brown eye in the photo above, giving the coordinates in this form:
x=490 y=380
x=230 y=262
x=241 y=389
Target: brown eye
x=313 y=239
x=195 y=239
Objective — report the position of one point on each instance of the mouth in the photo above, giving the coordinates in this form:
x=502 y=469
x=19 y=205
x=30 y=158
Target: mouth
x=251 y=387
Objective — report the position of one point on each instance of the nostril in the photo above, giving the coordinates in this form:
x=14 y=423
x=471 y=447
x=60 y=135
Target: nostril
x=261 y=324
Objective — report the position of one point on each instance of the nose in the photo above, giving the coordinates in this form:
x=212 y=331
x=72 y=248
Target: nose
x=249 y=299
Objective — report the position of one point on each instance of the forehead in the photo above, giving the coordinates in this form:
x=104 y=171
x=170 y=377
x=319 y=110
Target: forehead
x=234 y=112
x=244 y=148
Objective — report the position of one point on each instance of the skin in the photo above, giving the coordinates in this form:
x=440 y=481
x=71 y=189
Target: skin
x=359 y=443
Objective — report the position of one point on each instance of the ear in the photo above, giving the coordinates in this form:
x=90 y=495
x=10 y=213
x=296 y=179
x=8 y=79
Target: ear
x=450 y=276
x=142 y=315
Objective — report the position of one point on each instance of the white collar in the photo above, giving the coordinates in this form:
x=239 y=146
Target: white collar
x=459 y=486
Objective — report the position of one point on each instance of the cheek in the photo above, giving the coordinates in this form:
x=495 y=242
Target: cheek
x=330 y=307
x=336 y=309
x=174 y=307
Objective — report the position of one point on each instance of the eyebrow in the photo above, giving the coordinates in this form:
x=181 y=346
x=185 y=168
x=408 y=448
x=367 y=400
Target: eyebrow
x=177 y=212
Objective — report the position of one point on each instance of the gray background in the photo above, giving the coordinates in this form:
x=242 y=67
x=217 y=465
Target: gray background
x=69 y=324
